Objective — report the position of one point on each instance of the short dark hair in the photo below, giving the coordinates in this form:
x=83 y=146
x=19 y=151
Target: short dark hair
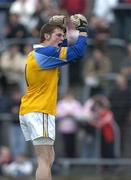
x=48 y=28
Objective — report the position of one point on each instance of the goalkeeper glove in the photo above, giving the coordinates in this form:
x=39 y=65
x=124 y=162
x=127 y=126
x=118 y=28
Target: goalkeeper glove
x=58 y=20
x=80 y=22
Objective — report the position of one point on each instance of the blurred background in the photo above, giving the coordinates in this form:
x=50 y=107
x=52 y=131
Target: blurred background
x=93 y=122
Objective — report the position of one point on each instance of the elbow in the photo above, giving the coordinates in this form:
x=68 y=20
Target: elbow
x=81 y=55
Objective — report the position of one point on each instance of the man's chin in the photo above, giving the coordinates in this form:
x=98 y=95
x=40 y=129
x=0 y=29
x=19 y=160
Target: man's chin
x=60 y=44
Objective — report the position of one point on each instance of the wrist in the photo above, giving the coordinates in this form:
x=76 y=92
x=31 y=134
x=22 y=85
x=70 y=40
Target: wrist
x=82 y=29
x=83 y=34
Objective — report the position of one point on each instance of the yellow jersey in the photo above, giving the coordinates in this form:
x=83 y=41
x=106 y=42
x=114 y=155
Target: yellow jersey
x=42 y=74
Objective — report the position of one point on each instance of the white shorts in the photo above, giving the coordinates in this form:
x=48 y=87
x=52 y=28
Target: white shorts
x=38 y=127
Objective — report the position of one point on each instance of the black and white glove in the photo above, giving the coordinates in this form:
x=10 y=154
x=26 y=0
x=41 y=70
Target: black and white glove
x=80 y=22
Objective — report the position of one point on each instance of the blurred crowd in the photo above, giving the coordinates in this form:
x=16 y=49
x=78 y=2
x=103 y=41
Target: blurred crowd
x=21 y=21
x=105 y=109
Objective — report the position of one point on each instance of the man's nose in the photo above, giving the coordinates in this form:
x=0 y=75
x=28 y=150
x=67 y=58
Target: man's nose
x=62 y=37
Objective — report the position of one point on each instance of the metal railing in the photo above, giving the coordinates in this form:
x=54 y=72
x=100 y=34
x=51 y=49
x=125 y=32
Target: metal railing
x=66 y=163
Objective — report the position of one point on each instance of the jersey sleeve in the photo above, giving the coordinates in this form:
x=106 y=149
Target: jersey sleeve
x=51 y=57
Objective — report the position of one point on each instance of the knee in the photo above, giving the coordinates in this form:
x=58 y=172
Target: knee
x=46 y=162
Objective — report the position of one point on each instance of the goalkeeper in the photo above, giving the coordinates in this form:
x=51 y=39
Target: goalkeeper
x=38 y=105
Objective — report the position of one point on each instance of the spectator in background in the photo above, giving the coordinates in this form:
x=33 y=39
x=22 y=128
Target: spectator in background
x=103 y=12
x=74 y=6
x=68 y=110
x=5 y=157
x=15 y=30
x=125 y=1
x=39 y=17
x=43 y=10
x=100 y=116
x=3 y=81
x=16 y=139
x=95 y=68
x=99 y=32
x=12 y=65
x=87 y=133
x=20 y=167
x=4 y=101
x=125 y=66
x=51 y=8
x=4 y=108
x=105 y=123
x=24 y=9
x=104 y=9
x=123 y=17
x=120 y=99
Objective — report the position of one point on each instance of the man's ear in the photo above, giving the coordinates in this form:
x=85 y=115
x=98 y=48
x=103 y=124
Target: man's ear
x=47 y=36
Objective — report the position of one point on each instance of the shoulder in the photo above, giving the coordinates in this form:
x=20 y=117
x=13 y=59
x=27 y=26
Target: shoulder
x=47 y=50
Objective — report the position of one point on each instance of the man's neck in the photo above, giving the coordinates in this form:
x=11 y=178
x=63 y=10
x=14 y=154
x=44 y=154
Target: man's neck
x=48 y=43
x=45 y=43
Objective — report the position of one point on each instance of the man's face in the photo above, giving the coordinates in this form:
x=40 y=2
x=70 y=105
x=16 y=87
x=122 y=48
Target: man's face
x=56 y=37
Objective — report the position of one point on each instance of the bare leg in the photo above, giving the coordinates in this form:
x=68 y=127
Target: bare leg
x=45 y=158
